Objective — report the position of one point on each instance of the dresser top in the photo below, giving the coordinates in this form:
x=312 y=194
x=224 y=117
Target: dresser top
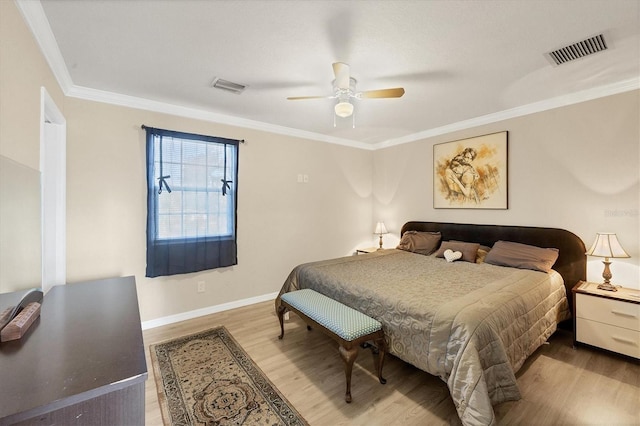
x=87 y=342
x=623 y=293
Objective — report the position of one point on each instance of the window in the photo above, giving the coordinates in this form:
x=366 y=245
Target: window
x=191 y=202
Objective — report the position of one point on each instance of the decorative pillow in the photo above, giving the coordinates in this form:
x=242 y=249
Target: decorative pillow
x=452 y=256
x=482 y=254
x=482 y=251
x=523 y=256
x=469 y=250
x=419 y=242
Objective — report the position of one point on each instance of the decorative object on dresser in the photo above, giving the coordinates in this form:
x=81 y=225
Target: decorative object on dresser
x=607 y=320
x=607 y=245
x=380 y=230
x=16 y=320
x=82 y=363
x=207 y=378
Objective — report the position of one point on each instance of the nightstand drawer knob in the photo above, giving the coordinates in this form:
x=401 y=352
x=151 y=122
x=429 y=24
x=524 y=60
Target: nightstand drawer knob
x=623 y=340
x=624 y=314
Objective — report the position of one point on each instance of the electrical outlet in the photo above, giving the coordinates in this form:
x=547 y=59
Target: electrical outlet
x=286 y=316
x=201 y=287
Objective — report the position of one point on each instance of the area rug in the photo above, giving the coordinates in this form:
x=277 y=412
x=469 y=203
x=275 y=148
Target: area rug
x=208 y=379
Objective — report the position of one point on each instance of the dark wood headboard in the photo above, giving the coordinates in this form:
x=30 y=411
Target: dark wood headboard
x=571 y=263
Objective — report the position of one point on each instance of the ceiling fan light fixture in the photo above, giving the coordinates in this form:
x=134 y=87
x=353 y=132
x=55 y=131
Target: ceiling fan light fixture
x=343 y=109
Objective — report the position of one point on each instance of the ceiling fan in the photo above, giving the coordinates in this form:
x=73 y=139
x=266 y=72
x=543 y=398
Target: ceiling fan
x=344 y=89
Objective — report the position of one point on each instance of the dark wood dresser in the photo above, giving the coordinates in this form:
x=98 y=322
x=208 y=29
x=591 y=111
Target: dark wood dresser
x=81 y=363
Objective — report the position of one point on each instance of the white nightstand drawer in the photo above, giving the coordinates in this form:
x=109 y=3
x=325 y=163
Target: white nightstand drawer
x=608 y=311
x=605 y=336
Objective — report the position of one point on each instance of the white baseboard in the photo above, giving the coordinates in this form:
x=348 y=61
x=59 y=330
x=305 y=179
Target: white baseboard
x=206 y=311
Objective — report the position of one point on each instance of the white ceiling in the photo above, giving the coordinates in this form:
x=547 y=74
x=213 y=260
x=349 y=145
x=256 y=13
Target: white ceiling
x=460 y=62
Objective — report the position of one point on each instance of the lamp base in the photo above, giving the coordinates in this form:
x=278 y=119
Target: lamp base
x=606 y=274
x=607 y=287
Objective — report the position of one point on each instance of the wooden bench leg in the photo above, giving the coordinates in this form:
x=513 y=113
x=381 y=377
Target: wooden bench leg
x=348 y=348
x=349 y=355
x=382 y=349
x=281 y=311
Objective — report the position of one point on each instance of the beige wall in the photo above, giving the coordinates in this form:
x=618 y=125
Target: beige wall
x=281 y=223
x=557 y=178
x=575 y=167
x=23 y=71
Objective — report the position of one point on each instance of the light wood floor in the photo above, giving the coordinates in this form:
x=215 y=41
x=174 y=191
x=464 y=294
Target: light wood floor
x=560 y=385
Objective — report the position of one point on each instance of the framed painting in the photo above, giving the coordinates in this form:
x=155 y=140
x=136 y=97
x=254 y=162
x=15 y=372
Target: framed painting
x=471 y=173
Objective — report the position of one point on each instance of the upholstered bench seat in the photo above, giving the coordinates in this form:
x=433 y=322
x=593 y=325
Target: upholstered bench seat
x=344 y=321
x=347 y=326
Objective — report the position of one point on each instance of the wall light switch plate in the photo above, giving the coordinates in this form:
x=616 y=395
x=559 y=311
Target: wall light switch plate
x=201 y=287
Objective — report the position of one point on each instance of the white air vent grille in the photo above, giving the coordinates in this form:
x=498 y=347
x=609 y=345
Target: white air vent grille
x=229 y=86
x=578 y=50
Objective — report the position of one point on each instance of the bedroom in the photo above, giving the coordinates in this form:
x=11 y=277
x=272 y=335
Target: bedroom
x=558 y=177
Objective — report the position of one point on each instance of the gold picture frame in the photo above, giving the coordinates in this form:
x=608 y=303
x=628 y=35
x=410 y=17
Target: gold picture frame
x=471 y=173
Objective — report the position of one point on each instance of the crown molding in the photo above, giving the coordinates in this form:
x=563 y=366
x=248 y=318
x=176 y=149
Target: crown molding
x=37 y=21
x=545 y=105
x=112 y=98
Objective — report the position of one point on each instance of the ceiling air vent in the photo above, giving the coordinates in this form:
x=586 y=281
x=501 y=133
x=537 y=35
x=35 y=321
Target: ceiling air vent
x=578 y=50
x=229 y=86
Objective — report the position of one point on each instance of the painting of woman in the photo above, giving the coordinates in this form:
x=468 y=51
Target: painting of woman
x=471 y=173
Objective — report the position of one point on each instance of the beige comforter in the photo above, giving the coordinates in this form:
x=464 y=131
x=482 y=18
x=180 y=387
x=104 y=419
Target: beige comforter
x=472 y=325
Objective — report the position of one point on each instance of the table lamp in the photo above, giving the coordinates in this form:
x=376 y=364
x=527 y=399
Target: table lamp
x=606 y=245
x=380 y=230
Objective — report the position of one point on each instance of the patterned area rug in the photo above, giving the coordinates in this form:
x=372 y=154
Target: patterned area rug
x=208 y=379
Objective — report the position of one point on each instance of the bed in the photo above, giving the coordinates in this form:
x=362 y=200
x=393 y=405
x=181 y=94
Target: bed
x=471 y=324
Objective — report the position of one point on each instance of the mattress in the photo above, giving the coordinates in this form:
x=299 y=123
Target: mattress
x=472 y=325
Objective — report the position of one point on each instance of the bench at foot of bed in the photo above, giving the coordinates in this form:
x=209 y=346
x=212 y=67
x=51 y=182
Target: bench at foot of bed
x=350 y=328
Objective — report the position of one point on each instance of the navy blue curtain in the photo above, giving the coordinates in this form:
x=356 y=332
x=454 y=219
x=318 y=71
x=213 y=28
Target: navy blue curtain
x=192 y=183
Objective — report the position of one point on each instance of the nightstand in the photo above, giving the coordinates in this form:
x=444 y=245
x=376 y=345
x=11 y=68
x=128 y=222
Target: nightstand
x=367 y=250
x=607 y=319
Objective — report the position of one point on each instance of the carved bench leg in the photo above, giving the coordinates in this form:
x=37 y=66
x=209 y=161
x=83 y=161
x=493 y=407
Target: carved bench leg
x=382 y=349
x=281 y=311
x=349 y=355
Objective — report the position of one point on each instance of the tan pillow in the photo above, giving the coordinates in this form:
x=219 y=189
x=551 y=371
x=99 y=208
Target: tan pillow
x=469 y=250
x=523 y=256
x=482 y=253
x=419 y=242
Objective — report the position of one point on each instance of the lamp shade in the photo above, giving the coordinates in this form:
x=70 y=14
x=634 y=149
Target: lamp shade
x=606 y=245
x=380 y=228
x=343 y=109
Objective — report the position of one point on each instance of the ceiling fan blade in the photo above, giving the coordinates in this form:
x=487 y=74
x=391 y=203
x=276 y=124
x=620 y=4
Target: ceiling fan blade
x=298 y=98
x=396 y=92
x=341 y=71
